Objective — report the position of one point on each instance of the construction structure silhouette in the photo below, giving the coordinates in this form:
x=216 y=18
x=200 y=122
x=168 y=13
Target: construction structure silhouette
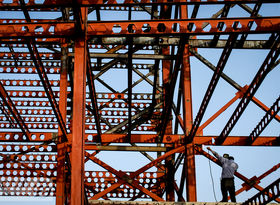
x=84 y=77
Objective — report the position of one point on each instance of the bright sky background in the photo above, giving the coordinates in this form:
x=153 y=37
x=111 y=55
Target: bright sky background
x=252 y=161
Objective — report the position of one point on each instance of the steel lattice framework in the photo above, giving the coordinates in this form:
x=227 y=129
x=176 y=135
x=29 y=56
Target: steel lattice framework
x=81 y=77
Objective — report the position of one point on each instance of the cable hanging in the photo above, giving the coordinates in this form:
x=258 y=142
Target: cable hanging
x=213 y=186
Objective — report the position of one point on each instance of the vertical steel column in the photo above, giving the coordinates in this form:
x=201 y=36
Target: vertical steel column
x=129 y=83
x=79 y=99
x=169 y=162
x=60 y=179
x=189 y=162
x=188 y=116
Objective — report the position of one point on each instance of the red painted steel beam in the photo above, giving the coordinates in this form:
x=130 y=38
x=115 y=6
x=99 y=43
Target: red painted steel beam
x=149 y=112
x=219 y=112
x=21 y=30
x=122 y=178
x=189 y=162
x=264 y=107
x=254 y=13
x=61 y=150
x=220 y=25
x=29 y=166
x=14 y=111
x=64 y=29
x=43 y=191
x=23 y=69
x=31 y=173
x=275 y=108
x=31 y=83
x=35 y=56
x=23 y=178
x=169 y=77
x=120 y=138
x=78 y=123
x=42 y=157
x=40 y=94
x=47 y=87
x=186 y=91
x=241 y=89
x=129 y=84
x=170 y=86
x=212 y=85
x=265 y=196
x=256 y=180
x=138 y=172
x=24 y=147
x=143 y=138
x=256 y=82
x=18 y=136
x=262 y=25
x=166 y=41
x=102 y=179
x=92 y=93
x=158 y=160
x=80 y=22
x=37 y=127
x=6 y=115
x=26 y=56
x=128 y=3
x=242 y=141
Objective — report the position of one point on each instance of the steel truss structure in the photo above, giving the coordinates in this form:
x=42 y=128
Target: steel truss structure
x=82 y=77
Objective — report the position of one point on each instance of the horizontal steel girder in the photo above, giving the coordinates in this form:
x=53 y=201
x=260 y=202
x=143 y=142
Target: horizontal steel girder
x=143 y=138
x=149 y=42
x=155 y=27
x=128 y=3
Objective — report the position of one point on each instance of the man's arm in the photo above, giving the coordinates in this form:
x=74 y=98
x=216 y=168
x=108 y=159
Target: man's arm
x=220 y=158
x=213 y=152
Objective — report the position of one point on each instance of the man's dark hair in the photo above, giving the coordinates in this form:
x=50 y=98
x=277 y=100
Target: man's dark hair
x=231 y=157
